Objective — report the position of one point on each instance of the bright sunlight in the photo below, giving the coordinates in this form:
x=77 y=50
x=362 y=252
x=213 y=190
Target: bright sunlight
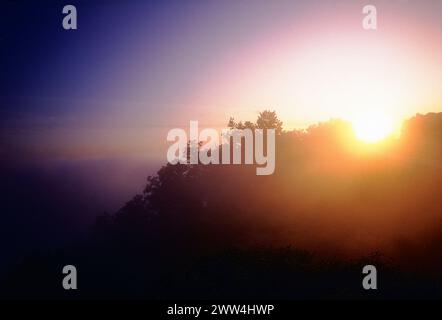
x=372 y=127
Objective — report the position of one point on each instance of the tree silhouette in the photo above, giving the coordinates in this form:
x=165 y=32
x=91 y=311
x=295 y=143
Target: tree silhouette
x=221 y=231
x=269 y=120
x=266 y=120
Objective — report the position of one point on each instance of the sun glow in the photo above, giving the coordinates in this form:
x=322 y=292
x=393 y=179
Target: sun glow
x=372 y=127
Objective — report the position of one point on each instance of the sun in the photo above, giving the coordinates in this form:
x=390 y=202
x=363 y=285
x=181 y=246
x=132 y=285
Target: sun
x=372 y=127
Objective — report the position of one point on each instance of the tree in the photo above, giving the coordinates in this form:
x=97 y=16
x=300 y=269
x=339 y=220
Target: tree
x=269 y=120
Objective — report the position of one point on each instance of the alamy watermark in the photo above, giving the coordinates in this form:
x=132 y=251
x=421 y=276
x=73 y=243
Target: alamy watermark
x=70 y=20
x=229 y=147
x=370 y=20
x=70 y=280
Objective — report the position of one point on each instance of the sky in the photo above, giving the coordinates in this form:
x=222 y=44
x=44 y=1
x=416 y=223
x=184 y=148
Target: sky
x=135 y=69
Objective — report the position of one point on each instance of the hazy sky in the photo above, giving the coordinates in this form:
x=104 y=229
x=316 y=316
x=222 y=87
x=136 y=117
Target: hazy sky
x=133 y=70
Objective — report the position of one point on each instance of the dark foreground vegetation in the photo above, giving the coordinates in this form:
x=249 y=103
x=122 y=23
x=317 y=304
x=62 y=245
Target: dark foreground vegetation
x=332 y=206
